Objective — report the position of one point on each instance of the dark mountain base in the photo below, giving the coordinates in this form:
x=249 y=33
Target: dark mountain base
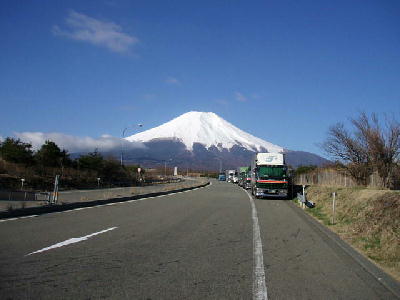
x=175 y=154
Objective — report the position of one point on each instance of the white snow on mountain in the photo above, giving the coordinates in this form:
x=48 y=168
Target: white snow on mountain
x=205 y=128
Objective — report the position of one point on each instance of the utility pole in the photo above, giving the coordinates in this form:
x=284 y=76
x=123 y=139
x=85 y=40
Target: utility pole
x=220 y=164
x=165 y=166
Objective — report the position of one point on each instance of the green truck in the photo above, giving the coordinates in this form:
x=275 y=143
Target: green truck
x=244 y=177
x=269 y=176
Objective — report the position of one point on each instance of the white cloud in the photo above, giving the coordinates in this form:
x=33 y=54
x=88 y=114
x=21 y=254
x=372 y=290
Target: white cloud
x=75 y=143
x=172 y=81
x=81 y=27
x=240 y=97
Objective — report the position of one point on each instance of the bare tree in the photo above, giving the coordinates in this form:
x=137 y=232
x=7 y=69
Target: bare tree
x=348 y=149
x=367 y=149
x=382 y=144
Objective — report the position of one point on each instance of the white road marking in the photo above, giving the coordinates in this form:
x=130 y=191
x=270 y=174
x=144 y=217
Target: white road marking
x=10 y=219
x=71 y=241
x=27 y=217
x=259 y=286
x=108 y=204
x=13 y=219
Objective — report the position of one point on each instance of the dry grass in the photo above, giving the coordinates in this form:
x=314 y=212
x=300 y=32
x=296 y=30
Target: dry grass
x=368 y=219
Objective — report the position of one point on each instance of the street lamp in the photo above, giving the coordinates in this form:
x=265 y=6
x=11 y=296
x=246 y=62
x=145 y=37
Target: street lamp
x=22 y=183
x=220 y=164
x=122 y=140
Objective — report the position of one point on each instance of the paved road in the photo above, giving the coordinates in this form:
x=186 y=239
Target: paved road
x=192 y=245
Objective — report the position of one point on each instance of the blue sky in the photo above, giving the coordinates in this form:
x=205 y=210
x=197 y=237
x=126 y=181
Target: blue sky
x=283 y=71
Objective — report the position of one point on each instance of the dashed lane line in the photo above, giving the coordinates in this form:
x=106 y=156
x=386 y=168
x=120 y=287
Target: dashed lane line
x=71 y=241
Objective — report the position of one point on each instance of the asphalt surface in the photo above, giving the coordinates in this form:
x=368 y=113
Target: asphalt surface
x=192 y=245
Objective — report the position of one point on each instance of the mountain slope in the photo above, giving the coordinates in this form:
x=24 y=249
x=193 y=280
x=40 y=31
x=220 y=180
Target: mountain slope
x=203 y=141
x=205 y=128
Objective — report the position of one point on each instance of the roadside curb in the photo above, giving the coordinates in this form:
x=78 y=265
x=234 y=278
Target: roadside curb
x=334 y=241
x=23 y=212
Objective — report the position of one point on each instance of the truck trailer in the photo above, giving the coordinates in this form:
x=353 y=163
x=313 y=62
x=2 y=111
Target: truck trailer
x=269 y=176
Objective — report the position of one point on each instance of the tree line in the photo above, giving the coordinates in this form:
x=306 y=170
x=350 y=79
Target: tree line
x=19 y=159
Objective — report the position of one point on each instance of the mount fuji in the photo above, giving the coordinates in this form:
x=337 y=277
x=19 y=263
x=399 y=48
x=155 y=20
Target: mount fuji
x=207 y=129
x=200 y=140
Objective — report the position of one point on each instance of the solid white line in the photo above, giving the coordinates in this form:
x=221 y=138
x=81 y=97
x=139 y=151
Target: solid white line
x=108 y=204
x=259 y=286
x=71 y=241
x=27 y=217
x=10 y=219
x=19 y=218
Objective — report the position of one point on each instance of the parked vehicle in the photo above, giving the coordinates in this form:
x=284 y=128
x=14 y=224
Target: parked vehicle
x=221 y=177
x=242 y=175
x=229 y=175
x=269 y=176
x=235 y=179
x=247 y=179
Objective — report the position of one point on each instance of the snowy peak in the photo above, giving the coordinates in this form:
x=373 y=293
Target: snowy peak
x=205 y=128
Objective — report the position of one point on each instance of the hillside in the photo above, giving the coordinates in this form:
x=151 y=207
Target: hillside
x=367 y=219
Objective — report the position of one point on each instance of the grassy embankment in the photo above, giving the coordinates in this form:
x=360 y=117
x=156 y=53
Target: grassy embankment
x=367 y=219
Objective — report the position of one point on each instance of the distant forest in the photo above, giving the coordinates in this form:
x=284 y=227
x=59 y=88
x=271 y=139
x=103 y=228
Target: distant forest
x=38 y=168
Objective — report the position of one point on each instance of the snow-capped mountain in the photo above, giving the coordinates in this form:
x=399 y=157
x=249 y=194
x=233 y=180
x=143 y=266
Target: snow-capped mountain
x=207 y=129
x=204 y=141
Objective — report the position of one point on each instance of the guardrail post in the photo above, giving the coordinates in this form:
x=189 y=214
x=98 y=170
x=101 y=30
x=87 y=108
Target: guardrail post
x=333 y=207
x=55 y=192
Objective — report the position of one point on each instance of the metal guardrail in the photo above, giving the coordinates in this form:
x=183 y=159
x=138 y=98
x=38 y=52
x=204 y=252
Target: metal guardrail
x=301 y=198
x=48 y=196
x=24 y=196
